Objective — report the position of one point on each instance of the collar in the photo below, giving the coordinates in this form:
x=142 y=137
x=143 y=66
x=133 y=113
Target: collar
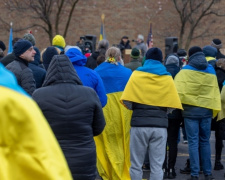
x=22 y=60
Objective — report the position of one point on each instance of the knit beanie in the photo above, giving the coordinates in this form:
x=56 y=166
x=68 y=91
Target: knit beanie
x=135 y=53
x=181 y=52
x=154 y=53
x=48 y=55
x=194 y=50
x=29 y=37
x=216 y=43
x=59 y=41
x=209 y=51
x=2 y=46
x=172 y=59
x=21 y=46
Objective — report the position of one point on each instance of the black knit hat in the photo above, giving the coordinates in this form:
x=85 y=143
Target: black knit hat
x=21 y=46
x=193 y=50
x=2 y=46
x=135 y=53
x=48 y=55
x=154 y=53
x=181 y=52
x=217 y=43
x=125 y=37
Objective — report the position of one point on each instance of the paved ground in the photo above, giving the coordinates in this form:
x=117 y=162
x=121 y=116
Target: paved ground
x=182 y=157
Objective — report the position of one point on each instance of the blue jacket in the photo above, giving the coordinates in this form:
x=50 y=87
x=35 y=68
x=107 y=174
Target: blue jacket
x=38 y=72
x=88 y=76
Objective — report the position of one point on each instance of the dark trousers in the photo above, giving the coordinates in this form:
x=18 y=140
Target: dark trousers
x=173 y=130
x=219 y=143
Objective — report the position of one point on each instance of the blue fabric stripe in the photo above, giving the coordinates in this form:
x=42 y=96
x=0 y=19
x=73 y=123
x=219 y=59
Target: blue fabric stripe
x=114 y=77
x=154 y=67
x=209 y=69
x=9 y=80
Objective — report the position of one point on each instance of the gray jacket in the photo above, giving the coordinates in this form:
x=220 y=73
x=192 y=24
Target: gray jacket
x=23 y=74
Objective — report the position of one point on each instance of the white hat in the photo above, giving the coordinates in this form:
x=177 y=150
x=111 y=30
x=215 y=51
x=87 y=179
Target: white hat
x=140 y=36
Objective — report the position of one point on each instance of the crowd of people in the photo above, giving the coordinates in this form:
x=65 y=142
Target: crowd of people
x=70 y=115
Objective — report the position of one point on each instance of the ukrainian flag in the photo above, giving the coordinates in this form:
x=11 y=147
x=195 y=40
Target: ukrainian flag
x=102 y=32
x=10 y=48
x=221 y=114
x=112 y=145
x=199 y=88
x=151 y=85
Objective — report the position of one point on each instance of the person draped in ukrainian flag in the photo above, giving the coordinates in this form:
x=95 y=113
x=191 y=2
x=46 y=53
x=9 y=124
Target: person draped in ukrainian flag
x=198 y=89
x=28 y=147
x=113 y=155
x=151 y=94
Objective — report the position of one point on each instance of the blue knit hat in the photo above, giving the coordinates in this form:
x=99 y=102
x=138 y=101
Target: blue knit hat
x=155 y=54
x=21 y=46
x=209 y=51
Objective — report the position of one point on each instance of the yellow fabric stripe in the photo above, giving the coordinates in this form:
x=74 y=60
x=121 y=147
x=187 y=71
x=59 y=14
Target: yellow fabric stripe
x=28 y=147
x=221 y=114
x=209 y=58
x=151 y=89
x=113 y=154
x=100 y=37
x=201 y=91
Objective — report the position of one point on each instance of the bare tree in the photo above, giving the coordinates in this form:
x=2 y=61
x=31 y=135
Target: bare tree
x=191 y=14
x=46 y=14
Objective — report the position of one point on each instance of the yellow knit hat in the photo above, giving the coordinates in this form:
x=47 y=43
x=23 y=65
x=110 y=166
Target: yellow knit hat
x=59 y=41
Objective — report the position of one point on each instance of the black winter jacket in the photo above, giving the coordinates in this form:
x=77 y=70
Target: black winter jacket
x=75 y=115
x=92 y=60
x=8 y=59
x=149 y=116
x=23 y=74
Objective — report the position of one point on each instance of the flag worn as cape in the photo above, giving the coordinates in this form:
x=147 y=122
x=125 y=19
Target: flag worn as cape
x=28 y=147
x=151 y=85
x=199 y=88
x=221 y=114
x=112 y=145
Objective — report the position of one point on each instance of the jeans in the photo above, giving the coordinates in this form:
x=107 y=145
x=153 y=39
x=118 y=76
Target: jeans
x=198 y=134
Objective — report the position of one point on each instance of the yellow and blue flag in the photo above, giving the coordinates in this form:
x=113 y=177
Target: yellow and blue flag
x=10 y=47
x=221 y=114
x=199 y=88
x=112 y=145
x=102 y=32
x=151 y=85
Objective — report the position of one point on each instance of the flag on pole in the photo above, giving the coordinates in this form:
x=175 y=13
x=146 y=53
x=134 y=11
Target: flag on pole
x=102 y=32
x=10 y=47
x=150 y=37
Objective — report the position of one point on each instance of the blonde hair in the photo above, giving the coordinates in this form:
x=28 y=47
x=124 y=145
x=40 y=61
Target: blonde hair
x=41 y=59
x=113 y=52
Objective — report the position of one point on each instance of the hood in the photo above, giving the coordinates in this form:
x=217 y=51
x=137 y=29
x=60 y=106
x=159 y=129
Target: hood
x=37 y=57
x=198 y=61
x=210 y=51
x=61 y=70
x=76 y=57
